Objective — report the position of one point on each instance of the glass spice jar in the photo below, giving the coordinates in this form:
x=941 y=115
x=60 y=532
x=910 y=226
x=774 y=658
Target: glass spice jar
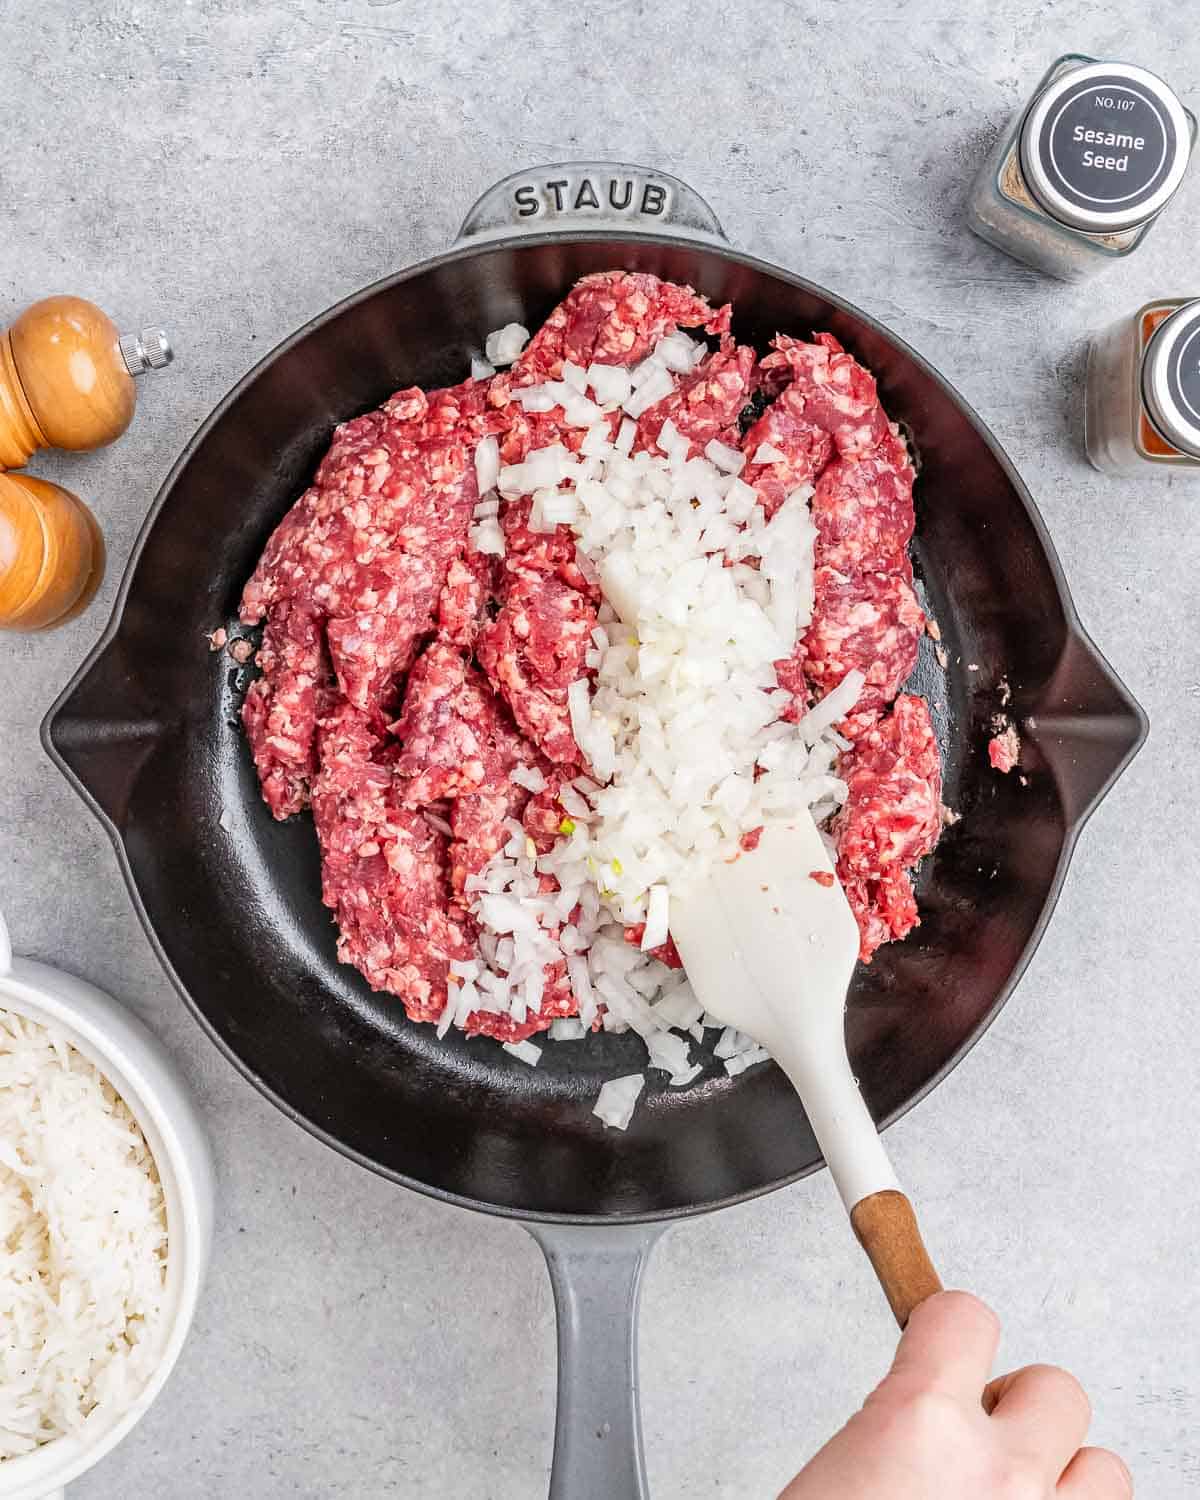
x=1082 y=172
x=1142 y=403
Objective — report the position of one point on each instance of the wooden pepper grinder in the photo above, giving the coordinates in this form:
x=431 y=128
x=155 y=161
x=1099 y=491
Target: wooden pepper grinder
x=66 y=381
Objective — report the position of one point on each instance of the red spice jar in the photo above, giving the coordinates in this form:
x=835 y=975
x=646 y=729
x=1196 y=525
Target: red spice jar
x=1142 y=411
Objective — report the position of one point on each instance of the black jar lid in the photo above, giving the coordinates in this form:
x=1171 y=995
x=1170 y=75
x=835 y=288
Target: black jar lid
x=1171 y=378
x=1105 y=146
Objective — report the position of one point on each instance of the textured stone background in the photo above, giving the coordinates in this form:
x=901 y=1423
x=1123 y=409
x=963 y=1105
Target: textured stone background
x=233 y=168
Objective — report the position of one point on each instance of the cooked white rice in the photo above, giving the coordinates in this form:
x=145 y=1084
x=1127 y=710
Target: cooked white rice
x=84 y=1236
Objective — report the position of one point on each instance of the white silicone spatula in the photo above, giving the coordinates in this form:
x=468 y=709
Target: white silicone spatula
x=770 y=950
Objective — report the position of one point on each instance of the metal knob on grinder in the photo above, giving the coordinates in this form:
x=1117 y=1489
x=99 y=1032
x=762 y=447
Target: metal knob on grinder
x=148 y=350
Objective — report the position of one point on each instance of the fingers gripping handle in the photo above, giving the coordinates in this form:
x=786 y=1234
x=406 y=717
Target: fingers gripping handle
x=596 y=1273
x=585 y=194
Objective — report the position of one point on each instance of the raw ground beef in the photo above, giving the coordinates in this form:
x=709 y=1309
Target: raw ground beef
x=870 y=621
x=705 y=404
x=404 y=675
x=832 y=391
x=546 y=553
x=448 y=729
x=280 y=712
x=803 y=448
x=863 y=511
x=891 y=819
x=528 y=430
x=666 y=953
x=611 y=318
x=472 y=583
x=831 y=431
x=533 y=650
x=543 y=817
x=1004 y=748
x=385 y=870
x=351 y=577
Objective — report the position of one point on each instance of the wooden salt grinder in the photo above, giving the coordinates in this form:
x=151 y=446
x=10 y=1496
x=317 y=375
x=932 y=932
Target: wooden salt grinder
x=66 y=378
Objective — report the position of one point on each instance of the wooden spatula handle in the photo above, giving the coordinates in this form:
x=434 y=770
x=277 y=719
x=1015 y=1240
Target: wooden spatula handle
x=887 y=1230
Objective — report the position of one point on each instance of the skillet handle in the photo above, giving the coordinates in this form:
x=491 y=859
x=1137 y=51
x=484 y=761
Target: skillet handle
x=596 y=1272
x=887 y=1230
x=582 y=194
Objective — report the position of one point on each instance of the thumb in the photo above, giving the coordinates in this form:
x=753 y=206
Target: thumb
x=948 y=1346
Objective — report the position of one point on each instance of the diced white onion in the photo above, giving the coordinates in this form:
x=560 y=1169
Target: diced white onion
x=525 y=1050
x=618 y=1099
x=487 y=463
x=503 y=346
x=650 y=391
x=529 y=777
x=724 y=457
x=487 y=538
x=656 y=932
x=610 y=384
x=575 y=376
x=833 y=707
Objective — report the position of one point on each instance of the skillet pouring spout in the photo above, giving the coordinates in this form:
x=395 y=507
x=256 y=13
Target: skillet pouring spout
x=102 y=733
x=1086 y=725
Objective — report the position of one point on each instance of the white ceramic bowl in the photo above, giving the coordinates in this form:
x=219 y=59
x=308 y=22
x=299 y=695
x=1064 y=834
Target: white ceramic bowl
x=140 y=1070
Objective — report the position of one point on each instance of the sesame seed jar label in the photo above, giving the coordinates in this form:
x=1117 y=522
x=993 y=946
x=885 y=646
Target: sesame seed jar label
x=1108 y=146
x=1104 y=147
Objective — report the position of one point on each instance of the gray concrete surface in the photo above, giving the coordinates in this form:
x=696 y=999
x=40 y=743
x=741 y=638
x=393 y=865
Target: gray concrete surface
x=233 y=169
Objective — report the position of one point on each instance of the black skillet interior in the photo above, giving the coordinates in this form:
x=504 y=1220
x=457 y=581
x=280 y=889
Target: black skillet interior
x=231 y=899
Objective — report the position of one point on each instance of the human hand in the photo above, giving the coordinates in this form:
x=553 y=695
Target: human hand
x=936 y=1430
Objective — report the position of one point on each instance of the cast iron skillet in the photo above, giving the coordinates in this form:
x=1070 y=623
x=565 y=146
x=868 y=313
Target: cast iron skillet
x=148 y=733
